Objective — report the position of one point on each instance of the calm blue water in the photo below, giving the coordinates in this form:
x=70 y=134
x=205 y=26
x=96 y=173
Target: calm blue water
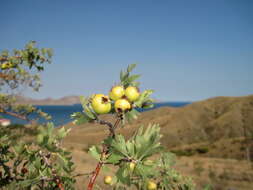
x=61 y=114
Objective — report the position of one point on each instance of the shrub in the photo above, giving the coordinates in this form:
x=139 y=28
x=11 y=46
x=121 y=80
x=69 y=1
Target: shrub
x=202 y=150
x=44 y=164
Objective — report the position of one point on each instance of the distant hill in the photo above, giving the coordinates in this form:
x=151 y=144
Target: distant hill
x=67 y=100
x=209 y=121
x=207 y=136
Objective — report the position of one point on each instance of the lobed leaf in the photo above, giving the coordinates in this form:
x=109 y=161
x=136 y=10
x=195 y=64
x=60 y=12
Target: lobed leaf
x=95 y=152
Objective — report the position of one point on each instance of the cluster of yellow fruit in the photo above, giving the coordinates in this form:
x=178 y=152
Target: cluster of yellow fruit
x=6 y=65
x=150 y=184
x=123 y=99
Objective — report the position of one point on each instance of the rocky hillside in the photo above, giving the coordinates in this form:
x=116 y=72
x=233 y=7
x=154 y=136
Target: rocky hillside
x=207 y=136
x=209 y=120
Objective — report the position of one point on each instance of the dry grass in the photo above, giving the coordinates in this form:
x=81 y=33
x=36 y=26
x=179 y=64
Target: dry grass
x=216 y=126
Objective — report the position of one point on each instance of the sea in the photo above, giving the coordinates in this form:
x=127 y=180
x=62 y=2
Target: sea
x=61 y=113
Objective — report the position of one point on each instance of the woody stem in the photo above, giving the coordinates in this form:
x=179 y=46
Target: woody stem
x=104 y=152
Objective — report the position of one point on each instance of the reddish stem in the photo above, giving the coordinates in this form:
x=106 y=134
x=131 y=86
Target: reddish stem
x=100 y=163
x=60 y=186
x=95 y=174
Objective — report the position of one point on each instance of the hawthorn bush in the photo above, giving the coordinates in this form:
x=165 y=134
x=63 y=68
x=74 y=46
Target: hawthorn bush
x=139 y=162
x=42 y=164
x=130 y=159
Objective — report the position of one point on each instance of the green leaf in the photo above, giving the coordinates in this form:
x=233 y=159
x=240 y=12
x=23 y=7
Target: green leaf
x=28 y=182
x=119 y=145
x=86 y=108
x=83 y=100
x=145 y=171
x=167 y=160
x=114 y=158
x=147 y=142
x=19 y=148
x=131 y=115
x=89 y=113
x=62 y=132
x=208 y=187
x=49 y=52
x=123 y=175
x=148 y=104
x=144 y=97
x=80 y=118
x=106 y=169
x=44 y=51
x=108 y=141
x=131 y=67
x=130 y=148
x=95 y=152
x=136 y=84
x=40 y=138
x=37 y=163
x=64 y=162
x=122 y=75
x=133 y=78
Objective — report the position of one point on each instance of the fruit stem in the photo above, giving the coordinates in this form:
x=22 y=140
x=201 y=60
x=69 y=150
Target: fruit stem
x=104 y=152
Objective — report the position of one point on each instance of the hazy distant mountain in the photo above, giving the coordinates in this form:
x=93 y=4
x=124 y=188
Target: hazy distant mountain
x=67 y=100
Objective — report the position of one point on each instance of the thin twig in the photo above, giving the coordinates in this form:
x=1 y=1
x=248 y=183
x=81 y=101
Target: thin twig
x=48 y=164
x=102 y=122
x=84 y=174
x=7 y=76
x=16 y=115
x=111 y=127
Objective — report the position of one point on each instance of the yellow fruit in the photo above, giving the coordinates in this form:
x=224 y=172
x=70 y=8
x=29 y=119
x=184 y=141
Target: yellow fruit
x=132 y=166
x=132 y=93
x=101 y=104
x=122 y=105
x=6 y=65
x=117 y=92
x=108 y=180
x=151 y=185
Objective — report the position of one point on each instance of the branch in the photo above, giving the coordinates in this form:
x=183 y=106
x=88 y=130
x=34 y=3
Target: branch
x=111 y=127
x=103 y=153
x=84 y=174
x=7 y=76
x=102 y=122
x=46 y=160
x=4 y=59
x=19 y=116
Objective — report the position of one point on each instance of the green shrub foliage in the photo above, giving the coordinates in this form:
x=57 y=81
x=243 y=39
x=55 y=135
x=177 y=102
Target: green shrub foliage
x=139 y=162
x=42 y=164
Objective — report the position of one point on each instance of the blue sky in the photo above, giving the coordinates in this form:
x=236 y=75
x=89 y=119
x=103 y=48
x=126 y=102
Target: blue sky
x=186 y=50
